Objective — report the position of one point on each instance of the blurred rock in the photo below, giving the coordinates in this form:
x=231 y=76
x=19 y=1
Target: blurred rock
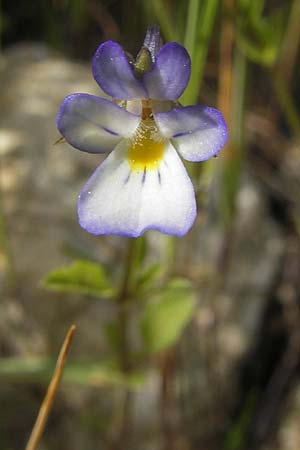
x=40 y=184
x=231 y=305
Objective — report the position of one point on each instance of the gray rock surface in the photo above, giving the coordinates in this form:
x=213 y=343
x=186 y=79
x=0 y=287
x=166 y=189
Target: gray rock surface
x=40 y=184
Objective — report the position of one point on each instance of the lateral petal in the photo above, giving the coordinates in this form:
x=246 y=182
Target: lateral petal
x=197 y=132
x=94 y=124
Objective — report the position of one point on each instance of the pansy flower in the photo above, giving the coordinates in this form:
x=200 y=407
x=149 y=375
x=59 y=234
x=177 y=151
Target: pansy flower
x=142 y=184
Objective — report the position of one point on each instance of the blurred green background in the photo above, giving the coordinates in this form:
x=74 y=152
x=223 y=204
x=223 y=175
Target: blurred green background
x=213 y=326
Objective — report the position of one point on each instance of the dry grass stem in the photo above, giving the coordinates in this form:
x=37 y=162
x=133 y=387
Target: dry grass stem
x=45 y=408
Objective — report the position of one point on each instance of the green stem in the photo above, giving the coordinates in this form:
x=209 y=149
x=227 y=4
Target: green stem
x=191 y=26
x=233 y=162
x=256 y=8
x=123 y=306
x=290 y=43
x=4 y=241
x=287 y=103
x=123 y=418
x=239 y=81
x=197 y=40
x=161 y=12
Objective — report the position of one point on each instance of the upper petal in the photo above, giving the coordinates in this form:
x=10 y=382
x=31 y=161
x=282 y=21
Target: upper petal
x=114 y=74
x=169 y=74
x=197 y=132
x=118 y=200
x=94 y=124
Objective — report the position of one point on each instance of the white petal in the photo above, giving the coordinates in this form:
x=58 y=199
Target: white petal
x=119 y=201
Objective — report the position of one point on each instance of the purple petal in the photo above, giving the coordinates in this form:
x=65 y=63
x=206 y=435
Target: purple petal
x=170 y=73
x=197 y=132
x=114 y=74
x=93 y=124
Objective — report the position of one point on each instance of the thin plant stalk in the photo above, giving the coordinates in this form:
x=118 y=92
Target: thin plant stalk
x=122 y=420
x=170 y=420
x=210 y=169
x=199 y=29
x=165 y=21
x=225 y=95
x=46 y=406
x=123 y=306
x=233 y=161
x=227 y=37
x=191 y=26
x=198 y=32
x=283 y=70
x=231 y=99
x=290 y=44
x=4 y=241
x=256 y=7
x=286 y=101
x=231 y=171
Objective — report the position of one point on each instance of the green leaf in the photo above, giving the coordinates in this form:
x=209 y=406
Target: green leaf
x=82 y=276
x=26 y=369
x=166 y=315
x=264 y=53
x=104 y=373
x=149 y=275
x=85 y=373
x=260 y=38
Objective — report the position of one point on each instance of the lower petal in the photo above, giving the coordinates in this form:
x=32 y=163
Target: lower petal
x=121 y=201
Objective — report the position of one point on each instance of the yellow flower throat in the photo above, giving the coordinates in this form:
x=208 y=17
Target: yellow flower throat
x=147 y=147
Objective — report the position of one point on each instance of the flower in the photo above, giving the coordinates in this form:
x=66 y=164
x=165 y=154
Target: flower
x=142 y=184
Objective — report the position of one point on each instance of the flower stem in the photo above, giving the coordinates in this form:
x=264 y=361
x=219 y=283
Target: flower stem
x=123 y=307
x=121 y=431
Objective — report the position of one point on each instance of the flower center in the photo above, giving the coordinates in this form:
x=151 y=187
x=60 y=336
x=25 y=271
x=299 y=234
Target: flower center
x=147 y=146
